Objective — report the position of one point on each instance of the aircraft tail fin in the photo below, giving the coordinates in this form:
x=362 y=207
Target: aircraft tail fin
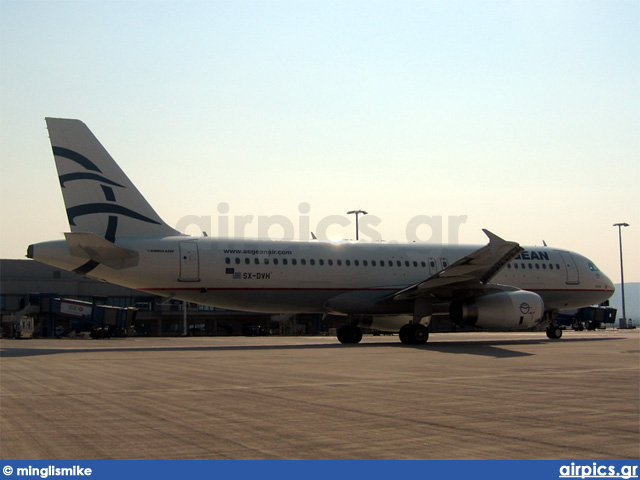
x=98 y=196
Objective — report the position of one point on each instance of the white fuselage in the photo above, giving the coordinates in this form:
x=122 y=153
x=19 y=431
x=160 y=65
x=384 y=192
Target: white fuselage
x=289 y=276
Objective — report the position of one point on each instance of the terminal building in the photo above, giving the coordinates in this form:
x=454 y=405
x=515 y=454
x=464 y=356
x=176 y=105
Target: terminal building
x=52 y=296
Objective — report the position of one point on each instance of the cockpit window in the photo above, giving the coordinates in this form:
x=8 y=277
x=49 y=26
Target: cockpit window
x=592 y=267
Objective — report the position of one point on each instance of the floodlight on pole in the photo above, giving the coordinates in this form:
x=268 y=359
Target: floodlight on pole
x=623 y=323
x=357 y=212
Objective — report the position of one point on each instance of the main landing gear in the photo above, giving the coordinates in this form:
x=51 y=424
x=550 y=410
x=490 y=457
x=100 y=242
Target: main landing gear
x=349 y=334
x=414 y=334
x=410 y=334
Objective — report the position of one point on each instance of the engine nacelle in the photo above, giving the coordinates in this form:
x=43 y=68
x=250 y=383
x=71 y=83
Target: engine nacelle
x=519 y=310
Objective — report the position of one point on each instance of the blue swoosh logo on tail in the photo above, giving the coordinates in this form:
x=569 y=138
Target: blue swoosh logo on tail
x=90 y=208
x=76 y=157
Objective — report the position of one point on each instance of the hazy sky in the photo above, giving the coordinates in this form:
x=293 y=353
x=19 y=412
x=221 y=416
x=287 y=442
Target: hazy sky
x=522 y=116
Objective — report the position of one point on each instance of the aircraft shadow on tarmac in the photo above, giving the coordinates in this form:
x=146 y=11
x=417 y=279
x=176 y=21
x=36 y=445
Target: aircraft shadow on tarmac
x=498 y=348
x=486 y=348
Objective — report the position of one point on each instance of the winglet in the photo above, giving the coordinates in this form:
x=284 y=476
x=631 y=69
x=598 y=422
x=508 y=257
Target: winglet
x=508 y=249
x=493 y=237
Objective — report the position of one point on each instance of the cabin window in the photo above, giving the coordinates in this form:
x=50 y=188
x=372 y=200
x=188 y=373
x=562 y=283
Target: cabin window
x=347 y=262
x=284 y=261
x=227 y=260
x=237 y=261
x=364 y=263
x=247 y=260
x=551 y=266
x=373 y=263
x=399 y=263
x=321 y=262
x=303 y=262
x=415 y=264
x=515 y=265
x=423 y=264
x=266 y=261
x=558 y=266
x=531 y=266
x=544 y=266
x=406 y=263
x=257 y=261
x=339 y=262
x=294 y=261
x=330 y=262
x=356 y=263
x=312 y=261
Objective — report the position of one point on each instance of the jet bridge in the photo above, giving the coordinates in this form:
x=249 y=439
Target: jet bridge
x=55 y=317
x=589 y=318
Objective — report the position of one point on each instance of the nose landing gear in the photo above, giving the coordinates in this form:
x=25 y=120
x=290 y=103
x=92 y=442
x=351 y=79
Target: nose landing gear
x=554 y=332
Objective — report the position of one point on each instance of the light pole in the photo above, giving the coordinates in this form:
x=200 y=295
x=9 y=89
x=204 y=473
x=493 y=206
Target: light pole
x=623 y=323
x=357 y=212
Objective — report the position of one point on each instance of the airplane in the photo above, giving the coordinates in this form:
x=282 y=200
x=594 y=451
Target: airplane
x=116 y=236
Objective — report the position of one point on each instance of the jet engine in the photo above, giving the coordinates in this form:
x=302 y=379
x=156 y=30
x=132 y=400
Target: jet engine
x=518 y=310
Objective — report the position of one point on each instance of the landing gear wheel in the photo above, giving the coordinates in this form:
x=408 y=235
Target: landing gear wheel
x=414 y=334
x=554 y=333
x=349 y=334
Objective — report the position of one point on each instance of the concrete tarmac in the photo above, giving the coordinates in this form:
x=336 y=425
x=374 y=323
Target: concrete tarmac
x=461 y=396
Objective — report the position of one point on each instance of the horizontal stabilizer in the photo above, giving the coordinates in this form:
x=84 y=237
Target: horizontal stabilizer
x=98 y=249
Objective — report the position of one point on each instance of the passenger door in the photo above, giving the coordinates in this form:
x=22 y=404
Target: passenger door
x=189 y=262
x=572 y=269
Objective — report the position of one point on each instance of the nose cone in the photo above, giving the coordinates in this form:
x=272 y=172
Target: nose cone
x=608 y=282
x=605 y=286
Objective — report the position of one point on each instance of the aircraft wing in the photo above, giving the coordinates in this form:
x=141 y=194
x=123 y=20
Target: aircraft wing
x=469 y=273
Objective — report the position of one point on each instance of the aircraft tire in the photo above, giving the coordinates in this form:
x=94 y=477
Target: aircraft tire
x=405 y=334
x=554 y=333
x=414 y=334
x=349 y=334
